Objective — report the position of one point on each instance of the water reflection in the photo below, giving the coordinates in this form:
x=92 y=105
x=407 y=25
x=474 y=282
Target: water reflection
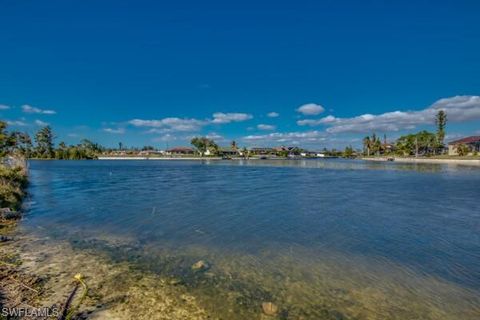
x=347 y=164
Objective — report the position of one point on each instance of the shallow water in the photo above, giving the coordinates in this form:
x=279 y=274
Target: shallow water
x=330 y=239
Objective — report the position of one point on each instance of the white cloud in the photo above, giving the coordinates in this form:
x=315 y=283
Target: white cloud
x=169 y=125
x=273 y=114
x=215 y=136
x=4 y=107
x=312 y=122
x=265 y=127
x=458 y=109
x=220 y=117
x=41 y=123
x=29 y=109
x=174 y=124
x=155 y=130
x=114 y=130
x=17 y=123
x=164 y=138
x=287 y=137
x=310 y=109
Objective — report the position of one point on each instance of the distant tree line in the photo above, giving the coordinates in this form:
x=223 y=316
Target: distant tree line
x=421 y=143
x=43 y=146
x=204 y=144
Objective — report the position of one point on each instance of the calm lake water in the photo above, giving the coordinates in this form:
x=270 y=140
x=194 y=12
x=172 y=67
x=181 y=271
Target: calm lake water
x=330 y=239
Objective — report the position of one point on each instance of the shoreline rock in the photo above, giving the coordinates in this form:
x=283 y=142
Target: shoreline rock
x=200 y=265
x=269 y=308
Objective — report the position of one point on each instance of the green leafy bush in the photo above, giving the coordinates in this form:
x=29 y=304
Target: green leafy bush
x=12 y=184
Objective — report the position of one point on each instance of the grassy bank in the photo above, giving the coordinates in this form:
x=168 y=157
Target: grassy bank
x=454 y=160
x=13 y=180
x=16 y=287
x=439 y=157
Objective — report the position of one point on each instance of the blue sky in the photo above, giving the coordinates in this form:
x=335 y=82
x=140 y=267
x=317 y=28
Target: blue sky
x=147 y=72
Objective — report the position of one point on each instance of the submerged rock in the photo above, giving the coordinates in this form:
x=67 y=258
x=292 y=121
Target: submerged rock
x=175 y=281
x=200 y=265
x=269 y=308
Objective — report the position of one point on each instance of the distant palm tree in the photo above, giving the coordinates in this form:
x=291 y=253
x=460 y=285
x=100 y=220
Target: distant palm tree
x=245 y=152
x=441 y=122
x=215 y=148
x=366 y=145
x=377 y=145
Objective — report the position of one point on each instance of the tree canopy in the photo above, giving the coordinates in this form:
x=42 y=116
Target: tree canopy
x=20 y=143
x=421 y=143
x=441 y=122
x=202 y=144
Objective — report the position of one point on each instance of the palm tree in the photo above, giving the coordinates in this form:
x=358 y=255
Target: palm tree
x=366 y=145
x=215 y=148
x=441 y=122
x=245 y=152
x=377 y=145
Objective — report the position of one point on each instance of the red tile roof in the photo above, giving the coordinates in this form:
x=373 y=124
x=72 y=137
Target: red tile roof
x=471 y=139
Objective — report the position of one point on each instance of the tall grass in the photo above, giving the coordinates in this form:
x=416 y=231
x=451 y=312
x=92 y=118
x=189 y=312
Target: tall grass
x=13 y=180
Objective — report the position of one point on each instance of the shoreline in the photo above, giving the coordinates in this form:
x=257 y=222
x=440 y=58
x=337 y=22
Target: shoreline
x=464 y=162
x=17 y=287
x=468 y=162
x=186 y=158
x=158 y=158
x=207 y=158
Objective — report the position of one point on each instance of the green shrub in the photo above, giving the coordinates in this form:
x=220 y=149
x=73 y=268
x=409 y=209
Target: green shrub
x=12 y=184
x=462 y=150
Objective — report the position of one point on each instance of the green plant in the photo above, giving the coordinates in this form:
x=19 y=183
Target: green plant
x=203 y=144
x=462 y=149
x=12 y=183
x=441 y=122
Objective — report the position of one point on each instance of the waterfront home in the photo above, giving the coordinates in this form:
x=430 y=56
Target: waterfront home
x=387 y=148
x=176 y=151
x=283 y=149
x=228 y=152
x=308 y=154
x=262 y=151
x=472 y=143
x=115 y=153
x=151 y=152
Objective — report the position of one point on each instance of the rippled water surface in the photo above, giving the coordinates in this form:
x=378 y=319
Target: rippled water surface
x=328 y=239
